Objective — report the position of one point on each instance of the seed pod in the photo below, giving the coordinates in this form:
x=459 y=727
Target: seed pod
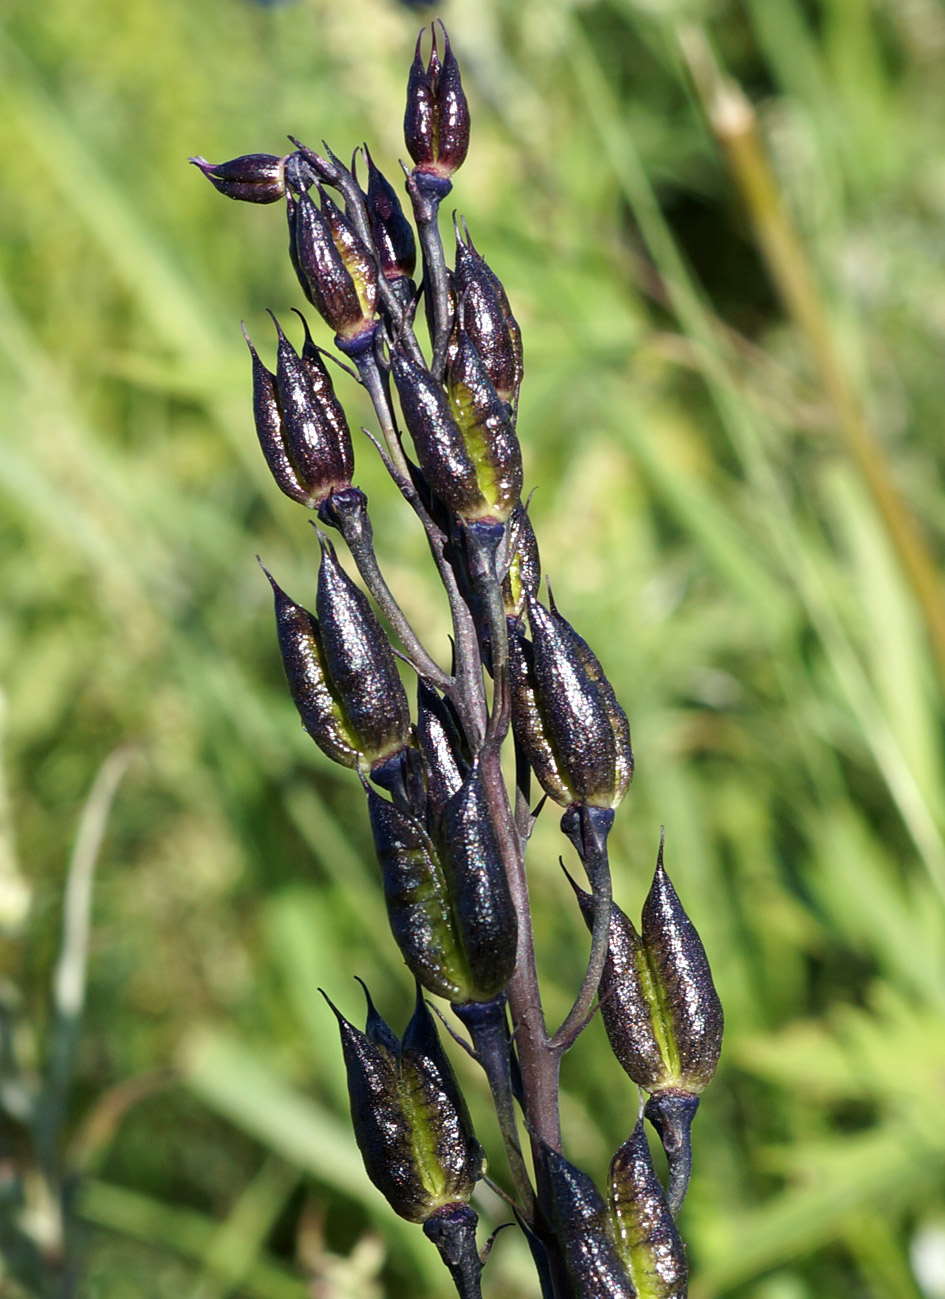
x=659 y=1005
x=300 y=424
x=418 y=902
x=253 y=178
x=306 y=672
x=393 y=233
x=486 y=428
x=441 y=451
x=475 y=470
x=478 y=888
x=436 y=123
x=487 y=318
x=360 y=662
x=438 y=738
x=647 y=1239
x=524 y=573
x=325 y=278
x=352 y=251
x=565 y=714
x=584 y=1231
x=410 y=1121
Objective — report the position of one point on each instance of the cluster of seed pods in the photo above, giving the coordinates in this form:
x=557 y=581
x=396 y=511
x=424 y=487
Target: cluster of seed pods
x=450 y=840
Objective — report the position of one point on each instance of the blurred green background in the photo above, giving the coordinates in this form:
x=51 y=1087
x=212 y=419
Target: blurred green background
x=705 y=525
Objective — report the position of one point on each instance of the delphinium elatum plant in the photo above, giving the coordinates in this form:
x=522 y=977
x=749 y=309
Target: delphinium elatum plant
x=450 y=838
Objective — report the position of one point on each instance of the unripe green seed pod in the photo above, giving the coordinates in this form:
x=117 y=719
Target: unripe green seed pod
x=647 y=1239
x=410 y=1120
x=584 y=1232
x=565 y=713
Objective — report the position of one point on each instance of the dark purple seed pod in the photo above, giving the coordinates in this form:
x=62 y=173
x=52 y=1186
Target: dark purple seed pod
x=524 y=574
x=658 y=1002
x=360 y=662
x=430 y=1081
x=316 y=168
x=436 y=123
x=679 y=965
x=301 y=425
x=307 y=675
x=444 y=459
x=565 y=718
x=409 y=1119
x=323 y=275
x=418 y=903
x=647 y=1239
x=253 y=178
x=478 y=889
x=331 y=408
x=584 y=1231
x=358 y=260
x=487 y=318
x=444 y=763
x=393 y=233
x=486 y=427
x=528 y=721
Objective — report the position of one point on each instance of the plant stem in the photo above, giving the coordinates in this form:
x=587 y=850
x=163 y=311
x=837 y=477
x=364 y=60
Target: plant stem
x=736 y=126
x=590 y=837
x=426 y=210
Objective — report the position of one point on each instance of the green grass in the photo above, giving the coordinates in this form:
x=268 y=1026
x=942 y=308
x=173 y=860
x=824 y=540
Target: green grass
x=704 y=526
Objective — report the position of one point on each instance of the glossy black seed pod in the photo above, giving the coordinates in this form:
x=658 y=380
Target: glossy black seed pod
x=524 y=575
x=418 y=902
x=253 y=178
x=307 y=675
x=301 y=425
x=564 y=714
x=360 y=661
x=447 y=466
x=658 y=1002
x=486 y=316
x=436 y=122
x=357 y=259
x=438 y=738
x=679 y=964
x=486 y=427
x=478 y=889
x=584 y=1231
x=647 y=1239
x=393 y=233
x=323 y=275
x=409 y=1118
